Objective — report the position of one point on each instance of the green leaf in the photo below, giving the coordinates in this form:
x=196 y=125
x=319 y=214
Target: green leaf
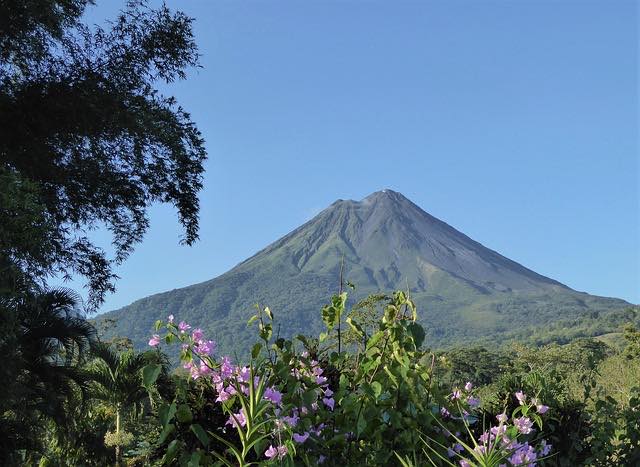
x=355 y=326
x=252 y=319
x=200 y=434
x=377 y=388
x=329 y=316
x=183 y=414
x=266 y=331
x=166 y=413
x=158 y=325
x=195 y=459
x=360 y=426
x=172 y=451
x=323 y=336
x=417 y=332
x=168 y=429
x=255 y=351
x=150 y=374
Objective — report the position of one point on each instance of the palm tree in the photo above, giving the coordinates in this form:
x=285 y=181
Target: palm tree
x=44 y=343
x=116 y=379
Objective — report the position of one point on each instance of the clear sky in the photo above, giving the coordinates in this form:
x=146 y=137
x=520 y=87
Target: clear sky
x=515 y=122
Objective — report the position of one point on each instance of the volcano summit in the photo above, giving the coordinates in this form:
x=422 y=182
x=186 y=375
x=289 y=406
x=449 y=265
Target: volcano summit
x=463 y=290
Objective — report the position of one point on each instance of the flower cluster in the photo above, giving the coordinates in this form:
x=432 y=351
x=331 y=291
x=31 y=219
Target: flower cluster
x=232 y=381
x=504 y=439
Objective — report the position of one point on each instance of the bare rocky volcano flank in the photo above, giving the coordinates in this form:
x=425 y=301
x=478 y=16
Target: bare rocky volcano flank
x=463 y=290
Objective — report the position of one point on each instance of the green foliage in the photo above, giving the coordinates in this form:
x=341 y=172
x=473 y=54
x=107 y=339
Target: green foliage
x=85 y=137
x=44 y=344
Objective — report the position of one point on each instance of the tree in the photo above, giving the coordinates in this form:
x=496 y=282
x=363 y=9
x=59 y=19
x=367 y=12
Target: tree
x=44 y=345
x=116 y=379
x=87 y=140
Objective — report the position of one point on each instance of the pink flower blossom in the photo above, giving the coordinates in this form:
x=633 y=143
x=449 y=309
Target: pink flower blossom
x=239 y=418
x=273 y=452
x=521 y=397
x=183 y=327
x=197 y=334
x=456 y=394
x=542 y=408
x=154 y=341
x=206 y=347
x=502 y=418
x=524 y=425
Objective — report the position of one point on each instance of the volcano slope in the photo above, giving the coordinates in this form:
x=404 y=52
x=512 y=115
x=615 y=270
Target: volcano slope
x=464 y=291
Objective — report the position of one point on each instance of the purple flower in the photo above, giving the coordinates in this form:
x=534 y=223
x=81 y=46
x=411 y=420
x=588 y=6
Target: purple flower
x=239 y=418
x=278 y=452
x=464 y=463
x=183 y=327
x=456 y=394
x=273 y=395
x=292 y=420
x=521 y=396
x=469 y=386
x=329 y=402
x=320 y=380
x=226 y=369
x=197 y=334
x=545 y=448
x=244 y=374
x=301 y=438
x=444 y=412
x=473 y=402
x=206 y=347
x=525 y=455
x=542 y=408
x=154 y=341
x=524 y=425
x=450 y=452
x=502 y=418
x=328 y=392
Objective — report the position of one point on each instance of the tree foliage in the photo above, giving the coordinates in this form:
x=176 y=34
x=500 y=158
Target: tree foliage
x=86 y=138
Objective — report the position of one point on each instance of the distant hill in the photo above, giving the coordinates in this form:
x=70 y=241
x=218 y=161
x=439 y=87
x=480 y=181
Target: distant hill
x=464 y=291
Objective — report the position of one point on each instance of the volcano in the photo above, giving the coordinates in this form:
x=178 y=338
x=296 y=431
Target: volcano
x=463 y=290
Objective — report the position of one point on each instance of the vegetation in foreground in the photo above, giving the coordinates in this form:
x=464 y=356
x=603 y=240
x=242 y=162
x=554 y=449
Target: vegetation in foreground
x=365 y=392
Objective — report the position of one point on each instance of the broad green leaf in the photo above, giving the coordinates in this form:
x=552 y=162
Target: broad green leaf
x=168 y=429
x=150 y=374
x=255 y=351
x=166 y=413
x=417 y=332
x=183 y=414
x=377 y=388
x=172 y=451
x=195 y=459
x=201 y=434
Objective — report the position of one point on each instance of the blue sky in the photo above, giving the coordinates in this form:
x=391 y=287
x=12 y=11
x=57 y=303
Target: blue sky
x=514 y=122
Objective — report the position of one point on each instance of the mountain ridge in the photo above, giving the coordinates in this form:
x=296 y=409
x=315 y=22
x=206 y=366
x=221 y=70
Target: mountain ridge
x=386 y=242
